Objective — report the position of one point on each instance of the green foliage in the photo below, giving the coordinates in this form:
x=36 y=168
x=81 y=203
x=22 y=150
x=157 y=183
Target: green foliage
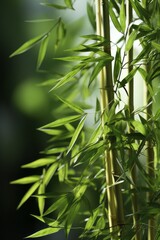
x=105 y=153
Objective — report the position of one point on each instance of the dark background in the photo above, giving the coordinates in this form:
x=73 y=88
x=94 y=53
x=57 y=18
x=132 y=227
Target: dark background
x=20 y=142
x=23 y=108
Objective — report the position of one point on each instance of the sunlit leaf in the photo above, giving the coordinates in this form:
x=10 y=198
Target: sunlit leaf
x=129 y=77
x=123 y=16
x=26 y=180
x=97 y=70
x=131 y=40
x=68 y=77
x=28 y=194
x=55 y=150
x=49 y=173
x=76 y=133
x=139 y=127
x=27 y=45
x=62 y=121
x=114 y=18
x=63 y=172
x=92 y=219
x=69 y=4
x=96 y=135
x=140 y=11
x=71 y=105
x=156 y=46
x=39 y=163
x=46 y=231
x=41 y=201
x=71 y=216
x=42 y=51
x=60 y=203
x=91 y=15
x=54 y=5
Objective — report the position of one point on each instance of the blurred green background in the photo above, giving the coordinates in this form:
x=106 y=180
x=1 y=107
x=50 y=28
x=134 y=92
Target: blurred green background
x=24 y=106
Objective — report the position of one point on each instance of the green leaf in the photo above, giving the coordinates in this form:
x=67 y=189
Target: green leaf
x=27 y=45
x=71 y=105
x=92 y=219
x=91 y=15
x=54 y=5
x=76 y=133
x=117 y=64
x=97 y=70
x=62 y=121
x=41 y=201
x=63 y=172
x=55 y=150
x=139 y=127
x=96 y=135
x=69 y=4
x=46 y=231
x=123 y=16
x=42 y=51
x=60 y=33
x=114 y=18
x=141 y=12
x=143 y=73
x=131 y=40
x=68 y=77
x=71 y=216
x=156 y=46
x=49 y=173
x=26 y=180
x=129 y=77
x=60 y=203
x=39 y=163
x=28 y=194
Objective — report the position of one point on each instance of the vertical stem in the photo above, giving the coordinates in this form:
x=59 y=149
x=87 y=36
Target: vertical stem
x=131 y=107
x=114 y=194
x=151 y=167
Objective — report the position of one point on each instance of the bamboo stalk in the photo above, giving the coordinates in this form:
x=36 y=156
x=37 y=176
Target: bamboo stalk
x=150 y=166
x=129 y=14
x=114 y=194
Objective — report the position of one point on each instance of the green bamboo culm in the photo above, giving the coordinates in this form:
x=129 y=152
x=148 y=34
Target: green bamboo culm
x=130 y=57
x=114 y=194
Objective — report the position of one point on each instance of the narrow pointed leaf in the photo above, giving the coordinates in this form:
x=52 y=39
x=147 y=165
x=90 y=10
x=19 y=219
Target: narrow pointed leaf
x=41 y=201
x=28 y=194
x=67 y=78
x=114 y=18
x=129 y=77
x=123 y=16
x=156 y=46
x=96 y=71
x=54 y=5
x=76 y=133
x=26 y=180
x=69 y=4
x=49 y=173
x=42 y=51
x=60 y=203
x=45 y=231
x=131 y=40
x=117 y=64
x=27 y=45
x=71 y=105
x=39 y=163
x=62 y=121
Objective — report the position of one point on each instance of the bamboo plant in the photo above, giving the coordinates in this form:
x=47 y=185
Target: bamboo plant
x=105 y=154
